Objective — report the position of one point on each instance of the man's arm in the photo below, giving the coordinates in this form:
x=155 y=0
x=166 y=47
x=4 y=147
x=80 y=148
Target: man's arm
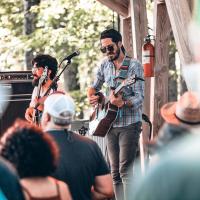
x=103 y=187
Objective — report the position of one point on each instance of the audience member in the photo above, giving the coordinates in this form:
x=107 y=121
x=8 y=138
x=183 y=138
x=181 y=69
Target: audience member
x=9 y=182
x=176 y=176
x=186 y=111
x=180 y=117
x=81 y=163
x=34 y=154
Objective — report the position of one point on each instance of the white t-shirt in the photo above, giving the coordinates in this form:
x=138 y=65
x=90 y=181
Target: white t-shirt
x=34 y=94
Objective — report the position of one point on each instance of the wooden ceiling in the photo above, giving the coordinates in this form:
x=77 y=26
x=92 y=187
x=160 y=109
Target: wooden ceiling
x=119 y=6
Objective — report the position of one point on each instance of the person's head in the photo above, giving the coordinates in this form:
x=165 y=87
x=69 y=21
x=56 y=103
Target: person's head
x=39 y=63
x=186 y=111
x=31 y=151
x=59 y=110
x=111 y=44
x=167 y=135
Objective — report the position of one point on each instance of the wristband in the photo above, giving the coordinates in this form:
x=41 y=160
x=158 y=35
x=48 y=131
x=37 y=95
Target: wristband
x=125 y=103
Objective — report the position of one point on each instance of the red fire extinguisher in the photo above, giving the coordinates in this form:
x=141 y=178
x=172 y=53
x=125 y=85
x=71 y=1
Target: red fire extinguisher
x=148 y=57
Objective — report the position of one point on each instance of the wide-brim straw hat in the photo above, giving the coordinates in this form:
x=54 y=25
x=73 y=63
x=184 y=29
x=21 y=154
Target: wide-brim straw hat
x=186 y=110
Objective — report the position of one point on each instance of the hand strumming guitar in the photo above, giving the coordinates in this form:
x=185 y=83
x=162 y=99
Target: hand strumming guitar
x=29 y=114
x=94 y=97
x=116 y=99
x=30 y=111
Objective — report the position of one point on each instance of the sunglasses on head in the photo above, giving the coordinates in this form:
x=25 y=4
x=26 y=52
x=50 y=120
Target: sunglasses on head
x=109 y=48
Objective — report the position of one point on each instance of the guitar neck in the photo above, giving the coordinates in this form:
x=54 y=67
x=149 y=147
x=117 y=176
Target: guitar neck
x=118 y=89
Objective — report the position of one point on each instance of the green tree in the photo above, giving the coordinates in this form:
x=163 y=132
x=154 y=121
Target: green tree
x=61 y=26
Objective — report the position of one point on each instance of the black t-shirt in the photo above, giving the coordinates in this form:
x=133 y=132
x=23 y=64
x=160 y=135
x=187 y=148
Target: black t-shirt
x=81 y=160
x=9 y=182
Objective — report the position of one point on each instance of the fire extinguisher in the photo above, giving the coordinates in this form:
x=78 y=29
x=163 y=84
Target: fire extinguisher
x=148 y=57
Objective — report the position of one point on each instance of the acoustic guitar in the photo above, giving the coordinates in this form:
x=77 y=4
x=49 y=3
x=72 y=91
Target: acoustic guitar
x=104 y=115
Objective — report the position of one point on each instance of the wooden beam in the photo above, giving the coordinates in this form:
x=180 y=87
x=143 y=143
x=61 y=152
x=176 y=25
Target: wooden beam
x=180 y=16
x=118 y=6
x=139 y=25
x=191 y=5
x=160 y=94
x=127 y=35
x=160 y=1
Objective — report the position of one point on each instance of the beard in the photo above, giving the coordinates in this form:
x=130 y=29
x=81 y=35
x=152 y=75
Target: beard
x=35 y=81
x=112 y=56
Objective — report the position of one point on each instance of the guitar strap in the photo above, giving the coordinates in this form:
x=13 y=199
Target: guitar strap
x=123 y=71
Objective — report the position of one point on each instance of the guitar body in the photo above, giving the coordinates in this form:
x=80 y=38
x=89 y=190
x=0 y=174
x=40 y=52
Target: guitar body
x=102 y=120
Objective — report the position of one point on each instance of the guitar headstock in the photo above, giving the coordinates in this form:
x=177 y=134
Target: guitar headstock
x=129 y=81
x=44 y=75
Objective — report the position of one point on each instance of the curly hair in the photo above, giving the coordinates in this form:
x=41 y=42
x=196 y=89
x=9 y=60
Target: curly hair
x=31 y=151
x=43 y=60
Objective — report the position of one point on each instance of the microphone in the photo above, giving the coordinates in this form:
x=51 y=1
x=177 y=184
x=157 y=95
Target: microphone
x=75 y=53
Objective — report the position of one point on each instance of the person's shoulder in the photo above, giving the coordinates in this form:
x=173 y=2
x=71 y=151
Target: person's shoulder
x=84 y=139
x=6 y=167
x=104 y=62
x=135 y=62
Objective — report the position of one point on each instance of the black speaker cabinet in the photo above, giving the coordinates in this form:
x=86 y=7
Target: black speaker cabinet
x=18 y=100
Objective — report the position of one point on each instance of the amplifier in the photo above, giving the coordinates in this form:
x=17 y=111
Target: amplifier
x=18 y=85
x=15 y=76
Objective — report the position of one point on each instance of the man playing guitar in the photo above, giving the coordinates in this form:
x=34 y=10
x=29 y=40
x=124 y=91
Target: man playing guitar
x=122 y=138
x=40 y=63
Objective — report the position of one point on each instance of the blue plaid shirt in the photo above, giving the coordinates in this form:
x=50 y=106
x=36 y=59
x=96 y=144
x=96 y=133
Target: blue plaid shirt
x=134 y=93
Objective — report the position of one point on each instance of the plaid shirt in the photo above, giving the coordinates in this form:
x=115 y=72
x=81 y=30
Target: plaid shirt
x=134 y=93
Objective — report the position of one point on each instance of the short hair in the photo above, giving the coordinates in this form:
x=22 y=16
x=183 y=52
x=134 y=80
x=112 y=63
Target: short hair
x=43 y=60
x=111 y=33
x=31 y=151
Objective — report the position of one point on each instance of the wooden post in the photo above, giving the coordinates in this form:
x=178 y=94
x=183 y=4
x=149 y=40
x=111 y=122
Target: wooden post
x=139 y=31
x=160 y=94
x=127 y=35
x=180 y=16
x=139 y=25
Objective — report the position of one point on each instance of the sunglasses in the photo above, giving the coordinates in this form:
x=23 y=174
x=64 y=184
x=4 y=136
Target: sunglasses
x=109 y=48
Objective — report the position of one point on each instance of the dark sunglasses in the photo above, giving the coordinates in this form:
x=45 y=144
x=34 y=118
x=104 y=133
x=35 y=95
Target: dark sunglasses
x=109 y=48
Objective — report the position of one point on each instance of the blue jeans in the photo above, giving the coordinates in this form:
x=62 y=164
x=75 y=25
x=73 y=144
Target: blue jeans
x=122 y=144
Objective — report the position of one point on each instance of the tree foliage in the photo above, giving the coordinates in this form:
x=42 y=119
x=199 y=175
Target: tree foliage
x=62 y=26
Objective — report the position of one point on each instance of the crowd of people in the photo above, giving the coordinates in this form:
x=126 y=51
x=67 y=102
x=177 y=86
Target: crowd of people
x=42 y=159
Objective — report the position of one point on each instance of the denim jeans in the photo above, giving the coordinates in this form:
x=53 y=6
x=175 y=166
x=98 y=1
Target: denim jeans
x=122 y=144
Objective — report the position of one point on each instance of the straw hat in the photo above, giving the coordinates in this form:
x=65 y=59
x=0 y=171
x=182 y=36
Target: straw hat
x=186 y=110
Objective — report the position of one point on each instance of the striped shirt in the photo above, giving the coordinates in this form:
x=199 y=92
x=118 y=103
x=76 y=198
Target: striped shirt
x=134 y=93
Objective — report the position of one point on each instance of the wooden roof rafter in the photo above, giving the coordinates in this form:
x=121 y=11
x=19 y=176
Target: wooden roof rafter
x=119 y=6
